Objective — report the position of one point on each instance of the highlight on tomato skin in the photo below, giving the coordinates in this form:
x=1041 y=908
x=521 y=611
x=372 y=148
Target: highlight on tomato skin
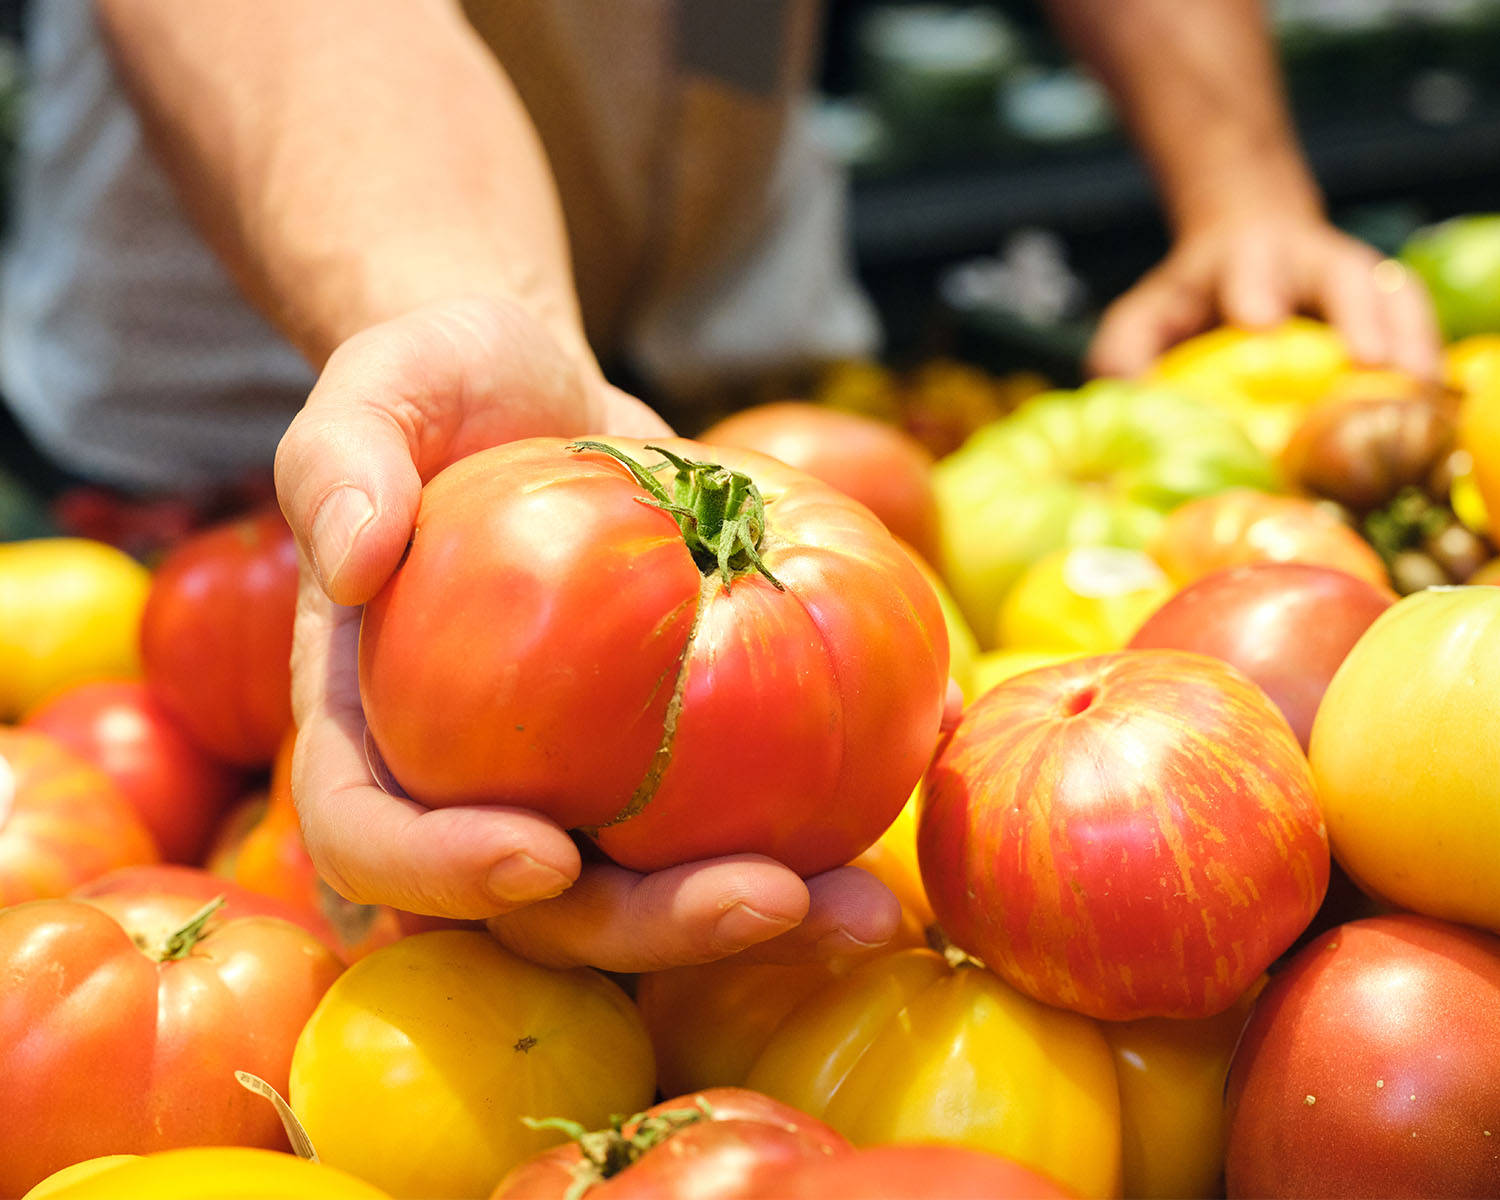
x=1127 y=835
x=626 y=663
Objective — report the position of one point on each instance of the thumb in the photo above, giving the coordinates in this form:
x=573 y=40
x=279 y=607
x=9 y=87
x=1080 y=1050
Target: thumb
x=347 y=482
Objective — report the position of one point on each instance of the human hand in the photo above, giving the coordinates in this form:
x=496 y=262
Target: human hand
x=393 y=406
x=1255 y=272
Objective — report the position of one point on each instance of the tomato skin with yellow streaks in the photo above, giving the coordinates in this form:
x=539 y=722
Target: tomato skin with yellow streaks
x=551 y=642
x=452 y=1026
x=1129 y=835
x=907 y=1048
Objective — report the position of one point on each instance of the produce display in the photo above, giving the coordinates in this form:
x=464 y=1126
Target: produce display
x=1199 y=884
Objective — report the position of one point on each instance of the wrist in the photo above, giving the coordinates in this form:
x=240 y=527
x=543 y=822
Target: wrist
x=1241 y=189
x=409 y=273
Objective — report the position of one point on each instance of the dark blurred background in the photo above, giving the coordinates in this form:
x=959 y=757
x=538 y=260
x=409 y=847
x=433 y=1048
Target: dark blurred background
x=997 y=206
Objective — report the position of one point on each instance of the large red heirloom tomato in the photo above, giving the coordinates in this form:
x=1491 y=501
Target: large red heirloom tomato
x=1371 y=1067
x=123 y=1019
x=1128 y=835
x=679 y=660
x=1287 y=625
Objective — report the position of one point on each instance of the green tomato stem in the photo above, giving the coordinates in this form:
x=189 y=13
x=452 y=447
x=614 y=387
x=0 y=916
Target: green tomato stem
x=720 y=511
x=182 y=940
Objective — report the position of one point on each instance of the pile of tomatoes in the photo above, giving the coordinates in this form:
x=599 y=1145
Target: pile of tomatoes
x=1199 y=891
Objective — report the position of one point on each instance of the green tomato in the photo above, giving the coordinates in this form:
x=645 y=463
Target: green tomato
x=1101 y=465
x=1459 y=261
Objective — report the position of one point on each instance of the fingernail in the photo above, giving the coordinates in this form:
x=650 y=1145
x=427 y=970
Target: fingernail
x=343 y=513
x=520 y=879
x=742 y=926
x=843 y=944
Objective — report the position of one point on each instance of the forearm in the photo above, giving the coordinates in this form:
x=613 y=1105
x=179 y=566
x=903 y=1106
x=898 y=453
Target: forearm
x=349 y=160
x=1200 y=91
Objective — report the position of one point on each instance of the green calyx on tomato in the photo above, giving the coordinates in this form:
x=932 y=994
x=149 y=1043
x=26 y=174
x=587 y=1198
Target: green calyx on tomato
x=608 y=1151
x=719 y=510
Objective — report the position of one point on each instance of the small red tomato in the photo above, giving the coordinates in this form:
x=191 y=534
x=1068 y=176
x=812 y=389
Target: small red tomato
x=1287 y=625
x=216 y=635
x=1371 y=1067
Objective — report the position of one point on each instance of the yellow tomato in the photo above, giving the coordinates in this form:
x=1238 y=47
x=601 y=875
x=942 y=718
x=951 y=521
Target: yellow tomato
x=1403 y=755
x=417 y=1068
x=996 y=666
x=203 y=1173
x=1088 y=599
x=1472 y=364
x=708 y=1022
x=908 y=1048
x=70 y=611
x=1479 y=434
x=1265 y=379
x=1172 y=1077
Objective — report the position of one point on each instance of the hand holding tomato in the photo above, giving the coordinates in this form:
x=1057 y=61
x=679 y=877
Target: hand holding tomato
x=1257 y=267
x=395 y=405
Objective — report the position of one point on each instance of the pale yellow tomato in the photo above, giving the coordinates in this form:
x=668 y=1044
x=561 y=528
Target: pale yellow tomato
x=418 y=1068
x=1088 y=599
x=908 y=1048
x=203 y=1173
x=70 y=611
x=1403 y=752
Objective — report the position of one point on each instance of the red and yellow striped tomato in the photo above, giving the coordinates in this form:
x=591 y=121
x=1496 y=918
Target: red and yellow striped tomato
x=1403 y=752
x=1131 y=834
x=63 y=821
x=907 y=1048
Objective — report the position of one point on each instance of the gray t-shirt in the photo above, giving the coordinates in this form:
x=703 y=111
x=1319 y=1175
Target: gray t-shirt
x=707 y=225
